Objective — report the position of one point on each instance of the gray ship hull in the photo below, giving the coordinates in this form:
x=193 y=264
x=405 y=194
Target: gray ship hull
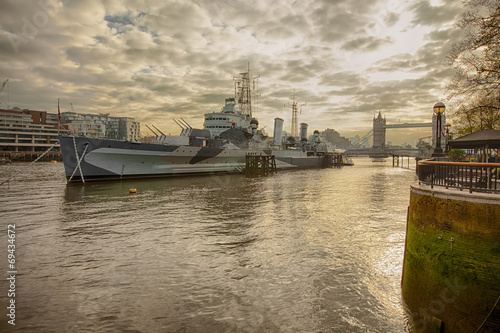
x=102 y=159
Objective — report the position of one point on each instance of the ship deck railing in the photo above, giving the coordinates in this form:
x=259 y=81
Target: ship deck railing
x=473 y=177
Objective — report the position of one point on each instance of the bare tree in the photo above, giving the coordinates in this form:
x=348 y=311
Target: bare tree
x=477 y=57
x=474 y=89
x=481 y=113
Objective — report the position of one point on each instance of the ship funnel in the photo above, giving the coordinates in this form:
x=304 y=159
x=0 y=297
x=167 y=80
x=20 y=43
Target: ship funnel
x=303 y=131
x=278 y=131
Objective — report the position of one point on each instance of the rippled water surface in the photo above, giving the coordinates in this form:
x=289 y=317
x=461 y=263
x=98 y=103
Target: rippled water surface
x=302 y=251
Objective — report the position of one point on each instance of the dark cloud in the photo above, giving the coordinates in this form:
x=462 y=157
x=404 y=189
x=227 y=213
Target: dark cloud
x=116 y=19
x=391 y=19
x=158 y=60
x=427 y=14
x=367 y=44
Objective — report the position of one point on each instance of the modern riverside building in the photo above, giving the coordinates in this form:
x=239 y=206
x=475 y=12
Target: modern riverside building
x=102 y=126
x=36 y=131
x=27 y=130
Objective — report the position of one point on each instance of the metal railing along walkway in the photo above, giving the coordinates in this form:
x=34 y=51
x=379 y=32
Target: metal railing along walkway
x=474 y=177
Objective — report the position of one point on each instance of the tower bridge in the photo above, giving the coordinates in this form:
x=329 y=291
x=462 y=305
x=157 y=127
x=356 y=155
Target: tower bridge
x=378 y=133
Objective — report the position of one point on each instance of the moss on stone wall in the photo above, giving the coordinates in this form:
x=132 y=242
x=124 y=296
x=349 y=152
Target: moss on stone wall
x=452 y=261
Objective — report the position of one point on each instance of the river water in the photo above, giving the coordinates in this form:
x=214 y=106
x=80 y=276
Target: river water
x=300 y=251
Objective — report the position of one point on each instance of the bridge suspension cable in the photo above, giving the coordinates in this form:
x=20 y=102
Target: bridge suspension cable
x=362 y=140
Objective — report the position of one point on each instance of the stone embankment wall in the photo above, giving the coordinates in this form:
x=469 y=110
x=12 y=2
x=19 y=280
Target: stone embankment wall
x=451 y=270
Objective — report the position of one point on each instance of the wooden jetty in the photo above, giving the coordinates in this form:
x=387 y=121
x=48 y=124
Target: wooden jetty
x=332 y=160
x=399 y=156
x=260 y=165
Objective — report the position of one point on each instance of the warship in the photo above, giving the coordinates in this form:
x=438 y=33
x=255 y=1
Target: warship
x=221 y=146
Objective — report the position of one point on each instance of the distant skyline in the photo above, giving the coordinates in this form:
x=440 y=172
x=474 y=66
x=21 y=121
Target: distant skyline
x=159 y=60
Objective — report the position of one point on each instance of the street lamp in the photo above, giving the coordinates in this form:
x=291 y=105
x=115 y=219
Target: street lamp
x=438 y=110
x=447 y=127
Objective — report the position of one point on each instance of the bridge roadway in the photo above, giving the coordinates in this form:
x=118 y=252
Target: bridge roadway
x=388 y=152
x=408 y=125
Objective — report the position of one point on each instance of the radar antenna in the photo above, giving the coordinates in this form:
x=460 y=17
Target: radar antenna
x=243 y=91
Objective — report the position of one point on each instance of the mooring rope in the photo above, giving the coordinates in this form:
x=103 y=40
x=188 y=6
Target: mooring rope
x=39 y=157
x=489 y=314
x=78 y=160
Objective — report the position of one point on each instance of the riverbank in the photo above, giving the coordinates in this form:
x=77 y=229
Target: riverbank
x=451 y=272
x=30 y=156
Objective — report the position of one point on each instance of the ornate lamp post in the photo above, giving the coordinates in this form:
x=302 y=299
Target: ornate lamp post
x=447 y=127
x=438 y=110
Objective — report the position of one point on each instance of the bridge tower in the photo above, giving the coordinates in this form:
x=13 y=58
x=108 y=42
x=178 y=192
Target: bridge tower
x=379 y=131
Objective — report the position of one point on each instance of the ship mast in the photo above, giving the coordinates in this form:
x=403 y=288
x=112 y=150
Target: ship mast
x=243 y=91
x=295 y=110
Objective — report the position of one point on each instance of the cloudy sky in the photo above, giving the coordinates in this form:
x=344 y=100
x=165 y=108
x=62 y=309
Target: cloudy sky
x=158 y=60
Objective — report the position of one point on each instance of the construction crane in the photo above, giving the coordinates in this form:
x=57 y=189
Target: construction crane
x=295 y=110
x=3 y=86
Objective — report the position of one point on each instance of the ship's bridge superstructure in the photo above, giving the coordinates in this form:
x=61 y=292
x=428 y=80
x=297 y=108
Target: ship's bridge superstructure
x=229 y=117
x=237 y=110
